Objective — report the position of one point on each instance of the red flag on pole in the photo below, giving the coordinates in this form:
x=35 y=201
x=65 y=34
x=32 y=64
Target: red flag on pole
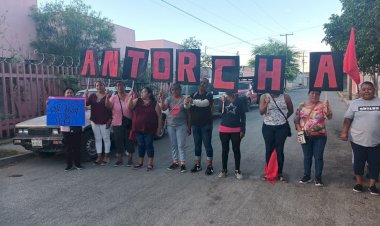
x=271 y=169
x=350 y=63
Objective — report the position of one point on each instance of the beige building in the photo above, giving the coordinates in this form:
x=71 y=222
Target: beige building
x=17 y=30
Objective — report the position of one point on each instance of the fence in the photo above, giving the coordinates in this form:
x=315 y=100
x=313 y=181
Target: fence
x=25 y=88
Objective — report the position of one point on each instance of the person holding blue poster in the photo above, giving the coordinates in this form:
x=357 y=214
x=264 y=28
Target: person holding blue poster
x=72 y=137
x=310 y=121
x=276 y=109
x=101 y=118
x=232 y=128
x=179 y=126
x=361 y=127
x=121 y=123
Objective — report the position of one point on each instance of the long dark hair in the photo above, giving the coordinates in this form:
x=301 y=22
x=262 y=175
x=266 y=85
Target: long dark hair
x=150 y=91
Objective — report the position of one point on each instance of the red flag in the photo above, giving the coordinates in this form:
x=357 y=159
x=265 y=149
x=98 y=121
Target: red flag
x=350 y=63
x=271 y=170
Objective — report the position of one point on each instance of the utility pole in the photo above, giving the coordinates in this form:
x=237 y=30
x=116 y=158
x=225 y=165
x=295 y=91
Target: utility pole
x=303 y=68
x=303 y=62
x=286 y=50
x=286 y=37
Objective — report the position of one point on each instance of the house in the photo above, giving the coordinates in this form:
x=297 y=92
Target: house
x=18 y=30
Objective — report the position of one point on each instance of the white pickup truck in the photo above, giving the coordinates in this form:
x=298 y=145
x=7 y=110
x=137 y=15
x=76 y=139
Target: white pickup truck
x=35 y=135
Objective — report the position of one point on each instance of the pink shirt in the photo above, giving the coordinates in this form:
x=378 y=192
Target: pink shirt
x=116 y=110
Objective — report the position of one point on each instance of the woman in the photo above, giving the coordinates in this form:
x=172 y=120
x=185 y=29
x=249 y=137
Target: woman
x=120 y=112
x=72 y=137
x=361 y=122
x=310 y=123
x=101 y=118
x=147 y=122
x=232 y=127
x=179 y=126
x=276 y=109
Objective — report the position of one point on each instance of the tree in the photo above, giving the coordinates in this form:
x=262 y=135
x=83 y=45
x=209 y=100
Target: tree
x=364 y=16
x=193 y=43
x=274 y=47
x=65 y=29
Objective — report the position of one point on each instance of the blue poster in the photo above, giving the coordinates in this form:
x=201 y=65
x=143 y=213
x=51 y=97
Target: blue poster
x=65 y=111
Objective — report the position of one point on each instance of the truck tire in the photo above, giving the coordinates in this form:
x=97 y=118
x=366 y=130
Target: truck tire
x=88 y=150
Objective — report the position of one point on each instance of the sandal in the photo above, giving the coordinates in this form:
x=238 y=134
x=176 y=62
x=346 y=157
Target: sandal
x=282 y=179
x=149 y=167
x=138 y=166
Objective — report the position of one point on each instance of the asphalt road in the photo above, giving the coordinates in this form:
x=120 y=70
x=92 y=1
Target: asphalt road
x=38 y=192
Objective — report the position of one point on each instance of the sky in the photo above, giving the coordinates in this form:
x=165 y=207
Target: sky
x=234 y=25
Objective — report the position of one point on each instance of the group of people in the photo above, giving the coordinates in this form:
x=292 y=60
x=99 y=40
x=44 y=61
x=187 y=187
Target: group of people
x=139 y=119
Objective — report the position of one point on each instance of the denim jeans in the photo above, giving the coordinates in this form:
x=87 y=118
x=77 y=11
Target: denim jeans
x=145 y=144
x=275 y=137
x=177 y=135
x=204 y=134
x=314 y=146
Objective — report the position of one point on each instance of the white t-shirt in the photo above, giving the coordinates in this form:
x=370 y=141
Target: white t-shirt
x=365 y=127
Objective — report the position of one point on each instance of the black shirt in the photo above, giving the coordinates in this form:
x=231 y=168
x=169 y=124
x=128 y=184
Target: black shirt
x=201 y=116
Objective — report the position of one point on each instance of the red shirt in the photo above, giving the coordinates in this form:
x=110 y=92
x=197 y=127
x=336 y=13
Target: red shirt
x=145 y=118
x=99 y=113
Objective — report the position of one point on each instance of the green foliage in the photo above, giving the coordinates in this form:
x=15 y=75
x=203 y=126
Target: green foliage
x=65 y=29
x=364 y=16
x=193 y=43
x=274 y=47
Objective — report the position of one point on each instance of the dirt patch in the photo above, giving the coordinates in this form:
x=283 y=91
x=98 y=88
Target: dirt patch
x=8 y=153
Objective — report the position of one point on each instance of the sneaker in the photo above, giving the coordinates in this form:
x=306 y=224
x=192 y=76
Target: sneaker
x=196 y=168
x=318 y=182
x=305 y=180
x=358 y=188
x=373 y=190
x=79 y=167
x=118 y=163
x=183 y=169
x=68 y=168
x=173 y=166
x=209 y=171
x=238 y=174
x=222 y=174
x=129 y=163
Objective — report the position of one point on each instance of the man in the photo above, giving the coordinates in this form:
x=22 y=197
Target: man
x=361 y=127
x=200 y=104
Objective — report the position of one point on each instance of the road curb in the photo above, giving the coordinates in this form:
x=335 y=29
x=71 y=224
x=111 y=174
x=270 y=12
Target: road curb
x=16 y=158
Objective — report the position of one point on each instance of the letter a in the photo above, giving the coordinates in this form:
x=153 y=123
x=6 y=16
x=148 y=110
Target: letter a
x=326 y=66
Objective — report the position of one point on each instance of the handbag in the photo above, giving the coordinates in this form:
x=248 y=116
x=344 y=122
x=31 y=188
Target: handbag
x=287 y=122
x=125 y=122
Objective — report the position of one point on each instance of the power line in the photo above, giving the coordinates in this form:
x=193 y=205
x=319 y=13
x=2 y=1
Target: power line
x=248 y=15
x=286 y=38
x=205 y=22
x=229 y=21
